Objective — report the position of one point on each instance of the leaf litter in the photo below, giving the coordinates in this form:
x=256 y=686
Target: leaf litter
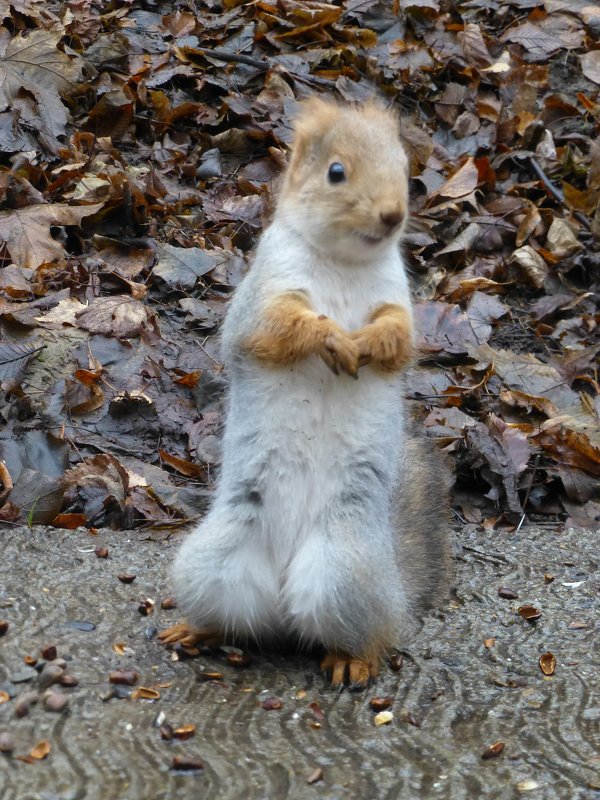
x=141 y=152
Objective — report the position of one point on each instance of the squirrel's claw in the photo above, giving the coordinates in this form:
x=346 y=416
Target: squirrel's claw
x=183 y=634
x=344 y=669
x=340 y=352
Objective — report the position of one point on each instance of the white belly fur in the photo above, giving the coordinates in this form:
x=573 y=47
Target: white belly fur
x=259 y=563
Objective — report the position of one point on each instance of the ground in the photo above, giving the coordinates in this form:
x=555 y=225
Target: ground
x=470 y=679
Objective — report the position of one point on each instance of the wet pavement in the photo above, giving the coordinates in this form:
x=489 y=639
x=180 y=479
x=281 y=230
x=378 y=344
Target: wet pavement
x=470 y=679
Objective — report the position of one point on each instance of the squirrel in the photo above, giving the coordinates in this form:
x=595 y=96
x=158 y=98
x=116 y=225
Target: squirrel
x=328 y=521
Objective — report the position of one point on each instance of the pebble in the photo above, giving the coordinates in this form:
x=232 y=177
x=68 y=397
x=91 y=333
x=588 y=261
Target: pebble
x=55 y=702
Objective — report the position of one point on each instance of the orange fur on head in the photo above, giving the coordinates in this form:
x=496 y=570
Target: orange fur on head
x=372 y=199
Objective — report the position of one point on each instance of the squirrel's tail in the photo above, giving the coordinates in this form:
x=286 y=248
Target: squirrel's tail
x=421 y=519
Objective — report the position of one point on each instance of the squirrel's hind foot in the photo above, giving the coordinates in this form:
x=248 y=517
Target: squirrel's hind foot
x=344 y=669
x=185 y=635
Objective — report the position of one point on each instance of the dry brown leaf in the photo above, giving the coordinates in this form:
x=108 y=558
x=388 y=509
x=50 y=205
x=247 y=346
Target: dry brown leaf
x=181 y=465
x=31 y=62
x=69 y=521
x=474 y=47
x=462 y=183
x=561 y=239
x=120 y=316
x=590 y=65
x=26 y=231
x=531 y=265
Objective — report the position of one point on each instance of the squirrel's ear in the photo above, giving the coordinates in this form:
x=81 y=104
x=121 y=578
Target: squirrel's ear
x=314 y=118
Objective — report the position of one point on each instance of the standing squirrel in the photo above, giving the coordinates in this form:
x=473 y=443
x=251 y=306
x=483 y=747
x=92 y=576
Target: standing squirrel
x=328 y=522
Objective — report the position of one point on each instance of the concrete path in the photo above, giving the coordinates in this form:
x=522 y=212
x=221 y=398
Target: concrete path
x=470 y=679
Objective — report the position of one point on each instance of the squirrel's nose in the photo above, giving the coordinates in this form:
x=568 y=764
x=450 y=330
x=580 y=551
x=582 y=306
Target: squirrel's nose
x=391 y=218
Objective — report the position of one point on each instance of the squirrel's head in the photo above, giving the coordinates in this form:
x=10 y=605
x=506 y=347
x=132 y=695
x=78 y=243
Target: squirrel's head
x=346 y=186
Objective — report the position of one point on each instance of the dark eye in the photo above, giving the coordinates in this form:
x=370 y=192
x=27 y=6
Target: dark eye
x=336 y=173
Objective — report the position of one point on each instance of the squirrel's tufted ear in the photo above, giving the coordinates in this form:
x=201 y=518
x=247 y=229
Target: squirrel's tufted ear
x=314 y=118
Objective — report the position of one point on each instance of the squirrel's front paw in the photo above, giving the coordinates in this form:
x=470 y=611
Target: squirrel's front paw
x=386 y=342
x=340 y=352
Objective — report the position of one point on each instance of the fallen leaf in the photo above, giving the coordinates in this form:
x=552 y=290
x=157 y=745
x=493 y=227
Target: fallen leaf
x=27 y=233
x=462 y=183
x=179 y=266
x=590 y=65
x=181 y=465
x=122 y=317
x=31 y=62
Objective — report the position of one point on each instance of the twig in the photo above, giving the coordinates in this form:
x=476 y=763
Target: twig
x=225 y=55
x=535 y=466
x=556 y=192
x=240 y=58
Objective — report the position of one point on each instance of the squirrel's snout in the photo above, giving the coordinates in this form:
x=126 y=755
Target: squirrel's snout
x=391 y=218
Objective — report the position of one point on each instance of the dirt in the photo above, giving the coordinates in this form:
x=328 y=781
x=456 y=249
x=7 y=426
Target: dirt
x=470 y=679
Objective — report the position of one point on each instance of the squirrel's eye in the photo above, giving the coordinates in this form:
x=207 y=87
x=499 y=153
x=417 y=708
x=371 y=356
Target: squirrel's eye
x=336 y=173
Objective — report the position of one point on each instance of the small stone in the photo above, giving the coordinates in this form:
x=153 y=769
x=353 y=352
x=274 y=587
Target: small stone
x=146 y=607
x=166 y=732
x=121 y=692
x=577 y=626
x=55 y=702
x=81 y=625
x=4 y=626
x=493 y=750
x=150 y=632
x=186 y=763
x=272 y=704
x=396 y=662
x=381 y=703
x=23 y=675
x=52 y=673
x=507 y=594
x=69 y=681
x=315 y=776
x=127 y=677
x=238 y=660
x=49 y=652
x=168 y=603
x=126 y=578
x=527 y=785
x=7 y=742
x=383 y=718
x=24 y=702
x=101 y=552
